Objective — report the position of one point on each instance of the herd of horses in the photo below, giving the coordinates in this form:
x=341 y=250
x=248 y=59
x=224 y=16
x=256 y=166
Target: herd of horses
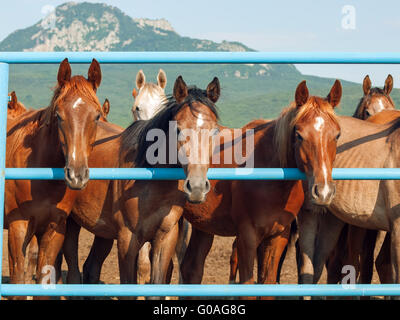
x=335 y=223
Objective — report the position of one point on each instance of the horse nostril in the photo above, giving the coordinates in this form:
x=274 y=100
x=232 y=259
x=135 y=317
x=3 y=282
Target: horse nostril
x=208 y=186
x=188 y=187
x=69 y=174
x=314 y=191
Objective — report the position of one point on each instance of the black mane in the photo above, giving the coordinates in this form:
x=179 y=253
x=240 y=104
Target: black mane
x=134 y=137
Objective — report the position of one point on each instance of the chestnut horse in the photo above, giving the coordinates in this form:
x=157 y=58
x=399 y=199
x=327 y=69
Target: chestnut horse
x=367 y=204
x=134 y=212
x=259 y=213
x=356 y=245
x=15 y=108
x=68 y=126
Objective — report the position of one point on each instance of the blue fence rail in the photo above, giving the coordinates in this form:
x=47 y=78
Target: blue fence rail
x=7 y=58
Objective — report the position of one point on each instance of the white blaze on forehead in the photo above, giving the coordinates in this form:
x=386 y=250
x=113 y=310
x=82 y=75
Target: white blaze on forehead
x=200 y=120
x=381 y=106
x=77 y=103
x=73 y=154
x=319 y=123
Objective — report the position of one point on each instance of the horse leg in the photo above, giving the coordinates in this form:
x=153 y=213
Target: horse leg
x=305 y=245
x=269 y=254
x=128 y=246
x=335 y=260
x=383 y=261
x=49 y=247
x=99 y=251
x=233 y=263
x=17 y=242
x=395 y=252
x=182 y=243
x=144 y=264
x=163 y=248
x=367 y=256
x=192 y=267
x=57 y=267
x=247 y=244
x=70 y=251
x=32 y=259
x=330 y=228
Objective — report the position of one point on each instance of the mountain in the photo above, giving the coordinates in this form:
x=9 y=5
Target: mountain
x=248 y=91
x=99 y=27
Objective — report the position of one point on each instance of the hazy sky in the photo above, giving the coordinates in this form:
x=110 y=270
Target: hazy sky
x=264 y=25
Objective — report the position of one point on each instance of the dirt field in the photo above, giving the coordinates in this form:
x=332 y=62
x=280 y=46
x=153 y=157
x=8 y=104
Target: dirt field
x=216 y=269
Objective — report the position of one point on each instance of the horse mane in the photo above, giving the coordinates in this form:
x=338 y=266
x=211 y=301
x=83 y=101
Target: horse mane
x=359 y=112
x=289 y=117
x=134 y=137
x=78 y=85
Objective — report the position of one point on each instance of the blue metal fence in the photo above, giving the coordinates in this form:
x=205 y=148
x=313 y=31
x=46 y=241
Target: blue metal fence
x=7 y=58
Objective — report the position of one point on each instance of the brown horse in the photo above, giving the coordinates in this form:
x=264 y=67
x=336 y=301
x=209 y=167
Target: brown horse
x=15 y=108
x=60 y=135
x=356 y=245
x=134 y=212
x=367 y=204
x=374 y=99
x=260 y=213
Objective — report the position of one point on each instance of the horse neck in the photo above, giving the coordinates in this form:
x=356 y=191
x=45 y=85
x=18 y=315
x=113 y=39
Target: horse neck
x=266 y=149
x=47 y=135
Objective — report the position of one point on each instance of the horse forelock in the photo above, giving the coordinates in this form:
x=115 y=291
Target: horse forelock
x=290 y=117
x=78 y=85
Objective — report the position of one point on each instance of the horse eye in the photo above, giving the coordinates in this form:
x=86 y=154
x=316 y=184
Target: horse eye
x=298 y=136
x=338 y=136
x=367 y=113
x=98 y=117
x=59 y=118
x=137 y=108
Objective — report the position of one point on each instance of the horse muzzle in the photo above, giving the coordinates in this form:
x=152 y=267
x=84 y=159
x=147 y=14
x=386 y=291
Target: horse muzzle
x=76 y=179
x=196 y=189
x=322 y=194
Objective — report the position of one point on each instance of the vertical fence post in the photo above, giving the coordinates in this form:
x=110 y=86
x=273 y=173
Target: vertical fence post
x=4 y=72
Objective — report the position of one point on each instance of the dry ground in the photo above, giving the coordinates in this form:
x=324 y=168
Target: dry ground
x=216 y=268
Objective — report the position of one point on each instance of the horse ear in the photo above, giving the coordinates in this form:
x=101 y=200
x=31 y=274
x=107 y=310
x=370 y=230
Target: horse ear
x=140 y=79
x=64 y=72
x=14 y=101
x=134 y=93
x=214 y=90
x=335 y=94
x=366 y=85
x=106 y=107
x=180 y=90
x=162 y=78
x=301 y=95
x=94 y=74
x=388 y=84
